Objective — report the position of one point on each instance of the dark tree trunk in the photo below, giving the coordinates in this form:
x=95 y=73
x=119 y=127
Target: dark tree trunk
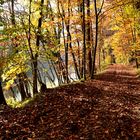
x=68 y=38
x=35 y=67
x=2 y=98
x=64 y=70
x=94 y=49
x=89 y=61
x=70 y=45
x=66 y=61
x=84 y=45
x=14 y=94
x=21 y=87
x=19 y=76
x=35 y=60
x=88 y=32
x=74 y=61
x=79 y=58
x=12 y=13
x=27 y=85
x=137 y=64
x=96 y=41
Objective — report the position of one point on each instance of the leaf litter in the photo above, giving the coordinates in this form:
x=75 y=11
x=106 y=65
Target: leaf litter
x=107 y=108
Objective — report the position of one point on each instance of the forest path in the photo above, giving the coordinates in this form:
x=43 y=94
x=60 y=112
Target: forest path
x=123 y=81
x=106 y=108
x=122 y=86
x=117 y=72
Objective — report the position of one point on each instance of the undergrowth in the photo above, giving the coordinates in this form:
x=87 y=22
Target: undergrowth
x=19 y=104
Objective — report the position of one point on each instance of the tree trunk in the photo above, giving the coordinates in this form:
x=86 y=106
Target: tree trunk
x=64 y=71
x=35 y=67
x=12 y=13
x=70 y=44
x=88 y=32
x=19 y=76
x=22 y=89
x=94 y=50
x=2 y=98
x=35 y=60
x=84 y=45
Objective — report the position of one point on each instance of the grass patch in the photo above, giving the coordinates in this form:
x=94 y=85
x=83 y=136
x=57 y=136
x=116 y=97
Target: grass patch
x=19 y=104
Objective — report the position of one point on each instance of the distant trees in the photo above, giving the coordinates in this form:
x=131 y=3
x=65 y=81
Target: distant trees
x=125 y=23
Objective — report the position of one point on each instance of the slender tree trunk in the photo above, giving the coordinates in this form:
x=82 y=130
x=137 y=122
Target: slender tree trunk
x=2 y=98
x=35 y=60
x=20 y=79
x=94 y=50
x=66 y=45
x=21 y=87
x=79 y=58
x=58 y=37
x=66 y=61
x=74 y=58
x=12 y=13
x=80 y=50
x=26 y=85
x=69 y=39
x=99 y=54
x=13 y=93
x=101 y=42
x=88 y=28
x=35 y=67
x=84 y=45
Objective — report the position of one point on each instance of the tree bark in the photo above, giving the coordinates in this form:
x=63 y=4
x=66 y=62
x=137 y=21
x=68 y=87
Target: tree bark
x=94 y=49
x=88 y=32
x=19 y=76
x=69 y=39
x=12 y=13
x=35 y=60
x=84 y=45
x=2 y=98
x=96 y=41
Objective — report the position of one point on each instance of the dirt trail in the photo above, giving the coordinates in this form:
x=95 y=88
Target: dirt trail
x=107 y=108
x=117 y=72
x=122 y=86
x=123 y=81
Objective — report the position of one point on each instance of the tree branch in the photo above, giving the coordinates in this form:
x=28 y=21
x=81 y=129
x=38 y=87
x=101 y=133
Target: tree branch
x=101 y=8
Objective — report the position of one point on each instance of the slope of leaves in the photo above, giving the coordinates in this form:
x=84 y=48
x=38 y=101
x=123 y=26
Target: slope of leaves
x=103 y=109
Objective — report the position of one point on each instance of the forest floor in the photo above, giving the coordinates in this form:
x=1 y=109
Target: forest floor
x=107 y=108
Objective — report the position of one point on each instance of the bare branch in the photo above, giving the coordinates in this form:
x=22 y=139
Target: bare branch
x=101 y=8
